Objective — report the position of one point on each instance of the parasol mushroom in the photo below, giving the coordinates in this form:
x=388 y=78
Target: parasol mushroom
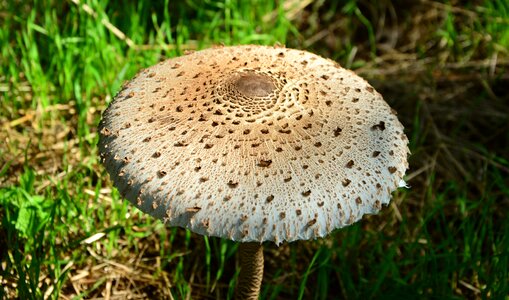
x=253 y=144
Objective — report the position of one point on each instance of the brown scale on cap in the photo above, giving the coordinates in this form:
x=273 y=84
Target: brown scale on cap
x=280 y=135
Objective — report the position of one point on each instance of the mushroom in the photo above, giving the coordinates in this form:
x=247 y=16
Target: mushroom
x=253 y=144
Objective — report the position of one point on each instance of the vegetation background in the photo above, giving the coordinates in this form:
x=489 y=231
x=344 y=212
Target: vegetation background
x=66 y=234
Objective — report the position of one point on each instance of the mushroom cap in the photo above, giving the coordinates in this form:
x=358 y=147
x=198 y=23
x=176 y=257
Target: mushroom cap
x=253 y=143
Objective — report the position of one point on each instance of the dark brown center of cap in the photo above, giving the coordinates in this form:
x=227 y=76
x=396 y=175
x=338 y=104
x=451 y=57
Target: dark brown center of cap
x=254 y=85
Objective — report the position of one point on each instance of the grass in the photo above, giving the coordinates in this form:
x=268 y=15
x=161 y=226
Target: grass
x=66 y=233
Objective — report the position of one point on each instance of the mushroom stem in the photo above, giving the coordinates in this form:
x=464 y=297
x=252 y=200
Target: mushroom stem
x=251 y=271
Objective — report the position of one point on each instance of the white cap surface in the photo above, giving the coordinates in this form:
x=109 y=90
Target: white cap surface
x=253 y=143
